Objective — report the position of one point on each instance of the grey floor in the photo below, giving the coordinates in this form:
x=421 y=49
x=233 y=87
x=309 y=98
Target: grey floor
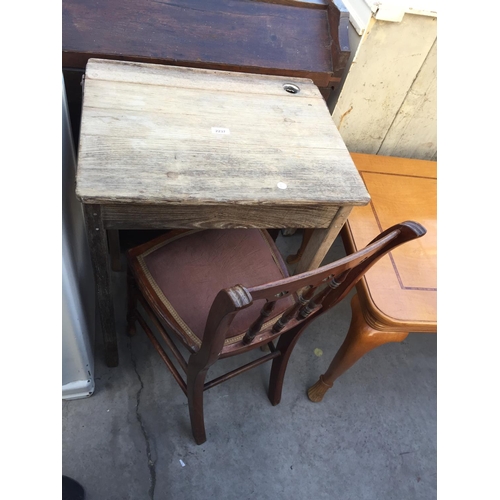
x=373 y=436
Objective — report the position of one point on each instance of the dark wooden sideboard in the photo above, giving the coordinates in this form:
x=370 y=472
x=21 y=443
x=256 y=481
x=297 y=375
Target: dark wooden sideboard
x=300 y=38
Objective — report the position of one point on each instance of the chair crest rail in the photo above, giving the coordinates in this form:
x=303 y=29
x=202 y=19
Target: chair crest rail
x=321 y=288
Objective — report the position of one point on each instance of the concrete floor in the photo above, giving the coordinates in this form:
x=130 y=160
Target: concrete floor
x=373 y=436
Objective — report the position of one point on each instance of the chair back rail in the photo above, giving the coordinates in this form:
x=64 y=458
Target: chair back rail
x=318 y=291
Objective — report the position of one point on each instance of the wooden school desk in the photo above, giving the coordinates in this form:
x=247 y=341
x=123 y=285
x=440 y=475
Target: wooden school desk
x=169 y=147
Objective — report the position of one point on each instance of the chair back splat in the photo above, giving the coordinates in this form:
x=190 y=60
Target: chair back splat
x=305 y=297
x=318 y=290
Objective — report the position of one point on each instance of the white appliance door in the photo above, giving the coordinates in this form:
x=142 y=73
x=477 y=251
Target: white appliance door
x=78 y=296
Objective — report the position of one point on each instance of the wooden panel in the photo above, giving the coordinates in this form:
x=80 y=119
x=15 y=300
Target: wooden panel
x=387 y=62
x=149 y=135
x=413 y=134
x=401 y=289
x=222 y=216
x=278 y=37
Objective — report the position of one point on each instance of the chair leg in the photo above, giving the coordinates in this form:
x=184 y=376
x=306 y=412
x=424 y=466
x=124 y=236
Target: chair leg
x=285 y=345
x=131 y=303
x=361 y=338
x=195 y=384
x=274 y=233
x=293 y=259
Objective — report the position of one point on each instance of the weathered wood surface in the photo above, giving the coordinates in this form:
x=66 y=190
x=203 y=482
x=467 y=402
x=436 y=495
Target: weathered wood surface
x=93 y=29
x=320 y=242
x=96 y=234
x=149 y=135
x=215 y=216
x=387 y=104
x=284 y=37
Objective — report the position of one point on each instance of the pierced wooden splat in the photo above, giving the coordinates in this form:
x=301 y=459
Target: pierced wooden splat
x=257 y=324
x=316 y=301
x=292 y=311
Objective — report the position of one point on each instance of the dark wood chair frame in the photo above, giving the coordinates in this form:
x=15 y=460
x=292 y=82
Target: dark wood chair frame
x=316 y=292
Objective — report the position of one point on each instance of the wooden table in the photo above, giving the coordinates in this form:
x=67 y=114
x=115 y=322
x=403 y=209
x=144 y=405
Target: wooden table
x=399 y=294
x=170 y=147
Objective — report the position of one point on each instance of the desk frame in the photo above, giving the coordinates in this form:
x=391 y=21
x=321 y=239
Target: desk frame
x=101 y=219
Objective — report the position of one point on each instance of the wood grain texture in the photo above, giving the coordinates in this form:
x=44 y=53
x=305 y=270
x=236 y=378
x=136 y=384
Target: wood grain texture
x=400 y=293
x=311 y=4
x=216 y=216
x=98 y=252
x=277 y=37
x=148 y=136
x=389 y=81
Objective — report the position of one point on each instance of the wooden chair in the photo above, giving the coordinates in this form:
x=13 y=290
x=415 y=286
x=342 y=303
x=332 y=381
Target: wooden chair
x=187 y=283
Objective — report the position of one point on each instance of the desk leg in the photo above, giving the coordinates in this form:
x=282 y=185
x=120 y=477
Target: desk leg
x=99 y=254
x=114 y=249
x=361 y=338
x=320 y=242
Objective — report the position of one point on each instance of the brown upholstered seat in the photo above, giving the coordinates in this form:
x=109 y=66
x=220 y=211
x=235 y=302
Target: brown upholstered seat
x=182 y=272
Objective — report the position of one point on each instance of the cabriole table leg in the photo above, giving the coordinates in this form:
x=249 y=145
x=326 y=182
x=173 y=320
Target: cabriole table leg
x=361 y=338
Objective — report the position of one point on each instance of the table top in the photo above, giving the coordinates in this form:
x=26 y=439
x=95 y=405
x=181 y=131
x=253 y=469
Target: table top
x=285 y=37
x=400 y=291
x=154 y=134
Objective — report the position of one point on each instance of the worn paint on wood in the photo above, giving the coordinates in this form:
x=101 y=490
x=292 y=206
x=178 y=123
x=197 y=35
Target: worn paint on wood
x=169 y=135
x=387 y=103
x=413 y=133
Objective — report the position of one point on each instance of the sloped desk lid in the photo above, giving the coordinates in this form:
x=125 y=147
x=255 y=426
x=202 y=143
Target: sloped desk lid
x=156 y=134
